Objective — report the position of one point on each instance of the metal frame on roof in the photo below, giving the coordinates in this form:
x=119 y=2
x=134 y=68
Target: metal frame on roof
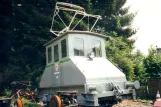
x=77 y=11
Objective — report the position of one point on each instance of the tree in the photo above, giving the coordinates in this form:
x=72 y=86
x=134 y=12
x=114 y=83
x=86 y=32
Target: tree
x=5 y=32
x=118 y=51
x=31 y=22
x=152 y=63
x=139 y=69
x=116 y=19
x=117 y=25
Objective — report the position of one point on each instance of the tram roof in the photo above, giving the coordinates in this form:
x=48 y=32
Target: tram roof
x=75 y=32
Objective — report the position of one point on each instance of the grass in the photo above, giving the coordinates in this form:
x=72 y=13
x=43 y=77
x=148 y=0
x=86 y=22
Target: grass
x=144 y=100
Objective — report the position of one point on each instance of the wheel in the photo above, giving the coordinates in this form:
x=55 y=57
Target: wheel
x=55 y=101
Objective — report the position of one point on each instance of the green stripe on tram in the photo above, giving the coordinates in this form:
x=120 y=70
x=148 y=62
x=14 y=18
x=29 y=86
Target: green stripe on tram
x=62 y=61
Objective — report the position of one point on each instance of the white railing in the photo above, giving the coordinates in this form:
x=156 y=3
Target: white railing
x=61 y=6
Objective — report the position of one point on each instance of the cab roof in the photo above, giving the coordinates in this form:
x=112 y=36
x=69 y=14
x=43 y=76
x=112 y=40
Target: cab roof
x=75 y=32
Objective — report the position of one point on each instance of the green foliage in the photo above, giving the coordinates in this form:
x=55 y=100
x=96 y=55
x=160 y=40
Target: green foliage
x=26 y=101
x=115 y=18
x=139 y=69
x=6 y=92
x=119 y=51
x=30 y=31
x=152 y=63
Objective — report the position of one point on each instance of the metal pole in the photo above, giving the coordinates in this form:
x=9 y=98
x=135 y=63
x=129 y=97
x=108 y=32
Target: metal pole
x=94 y=24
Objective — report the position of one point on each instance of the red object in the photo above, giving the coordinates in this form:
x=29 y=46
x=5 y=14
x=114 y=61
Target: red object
x=157 y=103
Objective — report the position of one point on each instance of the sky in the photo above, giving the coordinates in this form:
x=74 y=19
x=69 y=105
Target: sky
x=148 y=23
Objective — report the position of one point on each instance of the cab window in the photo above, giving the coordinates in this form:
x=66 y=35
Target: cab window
x=63 y=48
x=96 y=48
x=78 y=47
x=49 y=54
x=56 y=53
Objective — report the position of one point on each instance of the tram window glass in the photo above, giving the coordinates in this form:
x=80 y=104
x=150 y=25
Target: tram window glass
x=56 y=53
x=63 y=48
x=49 y=51
x=96 y=48
x=78 y=47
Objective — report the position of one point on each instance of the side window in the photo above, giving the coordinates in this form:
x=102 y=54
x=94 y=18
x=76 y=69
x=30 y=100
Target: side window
x=96 y=48
x=78 y=47
x=56 y=53
x=49 y=54
x=63 y=48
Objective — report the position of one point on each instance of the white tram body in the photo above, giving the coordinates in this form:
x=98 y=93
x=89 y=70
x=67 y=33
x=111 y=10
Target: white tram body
x=76 y=62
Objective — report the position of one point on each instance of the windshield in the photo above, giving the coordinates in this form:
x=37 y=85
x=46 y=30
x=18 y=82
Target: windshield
x=93 y=46
x=78 y=47
x=96 y=48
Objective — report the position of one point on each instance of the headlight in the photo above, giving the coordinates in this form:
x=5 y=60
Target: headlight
x=91 y=87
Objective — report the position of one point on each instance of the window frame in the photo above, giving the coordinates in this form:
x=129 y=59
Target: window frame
x=66 y=48
x=54 y=52
x=47 y=56
x=82 y=44
x=92 y=46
